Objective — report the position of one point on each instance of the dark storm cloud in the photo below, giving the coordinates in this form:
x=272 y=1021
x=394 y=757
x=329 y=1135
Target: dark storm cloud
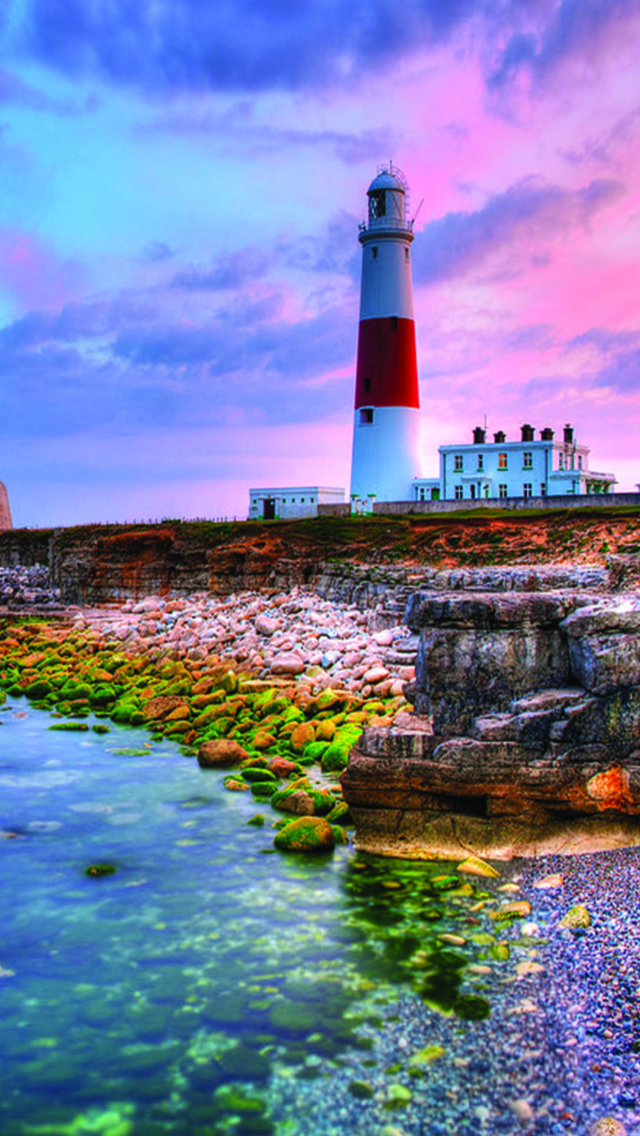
x=527 y=216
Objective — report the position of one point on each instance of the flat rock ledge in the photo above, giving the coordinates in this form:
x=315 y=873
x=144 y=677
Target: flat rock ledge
x=525 y=736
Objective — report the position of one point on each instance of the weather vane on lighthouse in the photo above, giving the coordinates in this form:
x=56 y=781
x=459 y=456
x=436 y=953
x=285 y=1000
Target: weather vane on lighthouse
x=386 y=449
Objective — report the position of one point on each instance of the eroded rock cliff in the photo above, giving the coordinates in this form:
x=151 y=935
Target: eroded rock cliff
x=526 y=732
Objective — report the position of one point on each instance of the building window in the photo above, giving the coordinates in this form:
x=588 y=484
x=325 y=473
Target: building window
x=543 y=489
x=502 y=461
x=480 y=461
x=458 y=493
x=366 y=416
x=421 y=495
x=560 y=461
x=435 y=494
x=393 y=320
x=457 y=463
x=580 y=462
x=502 y=491
x=527 y=460
x=527 y=489
x=374 y=252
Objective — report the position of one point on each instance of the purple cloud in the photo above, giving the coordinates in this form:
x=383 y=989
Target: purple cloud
x=531 y=212
x=229 y=272
x=236 y=44
x=574 y=29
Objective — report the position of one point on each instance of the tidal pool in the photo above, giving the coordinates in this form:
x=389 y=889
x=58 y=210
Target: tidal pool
x=210 y=985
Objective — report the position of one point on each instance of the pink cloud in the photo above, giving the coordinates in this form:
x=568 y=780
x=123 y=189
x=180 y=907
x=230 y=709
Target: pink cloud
x=32 y=274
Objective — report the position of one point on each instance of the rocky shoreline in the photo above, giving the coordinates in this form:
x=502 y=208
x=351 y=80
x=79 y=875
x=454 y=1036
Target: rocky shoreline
x=276 y=688
x=522 y=737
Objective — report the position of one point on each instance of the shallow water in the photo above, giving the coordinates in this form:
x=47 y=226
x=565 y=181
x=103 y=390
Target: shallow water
x=211 y=985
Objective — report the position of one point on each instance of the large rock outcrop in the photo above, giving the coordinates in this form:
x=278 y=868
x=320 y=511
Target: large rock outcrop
x=5 y=511
x=526 y=732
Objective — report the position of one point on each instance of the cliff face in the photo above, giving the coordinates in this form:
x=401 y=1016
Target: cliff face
x=351 y=557
x=5 y=512
x=526 y=732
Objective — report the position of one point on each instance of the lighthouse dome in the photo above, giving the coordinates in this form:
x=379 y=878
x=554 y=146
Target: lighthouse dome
x=388 y=200
x=387 y=180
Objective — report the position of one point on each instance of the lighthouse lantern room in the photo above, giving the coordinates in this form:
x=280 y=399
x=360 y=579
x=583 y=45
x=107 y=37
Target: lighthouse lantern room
x=386 y=451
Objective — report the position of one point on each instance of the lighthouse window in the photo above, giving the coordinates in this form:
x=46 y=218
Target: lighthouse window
x=406 y=254
x=366 y=416
x=377 y=203
x=374 y=252
x=394 y=323
x=367 y=384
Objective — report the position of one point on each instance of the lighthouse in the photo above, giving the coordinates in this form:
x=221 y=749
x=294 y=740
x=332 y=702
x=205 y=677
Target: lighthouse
x=386 y=446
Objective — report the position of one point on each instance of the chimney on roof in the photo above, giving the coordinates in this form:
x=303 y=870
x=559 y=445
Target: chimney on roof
x=500 y=436
x=546 y=435
x=479 y=436
x=568 y=435
x=528 y=433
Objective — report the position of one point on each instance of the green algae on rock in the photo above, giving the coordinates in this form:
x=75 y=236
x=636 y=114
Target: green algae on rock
x=577 y=918
x=307 y=834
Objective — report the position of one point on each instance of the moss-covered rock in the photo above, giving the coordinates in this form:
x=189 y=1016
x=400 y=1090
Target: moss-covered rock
x=340 y=814
x=577 y=918
x=103 y=694
x=79 y=726
x=256 y=774
x=298 y=802
x=301 y=737
x=314 y=752
x=38 y=689
x=325 y=730
x=263 y=740
x=308 y=834
x=334 y=759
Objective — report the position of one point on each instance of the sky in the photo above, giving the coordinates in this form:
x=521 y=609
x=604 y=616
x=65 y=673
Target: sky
x=181 y=183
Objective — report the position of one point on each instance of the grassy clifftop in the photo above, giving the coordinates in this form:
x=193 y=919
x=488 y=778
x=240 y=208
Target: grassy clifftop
x=493 y=536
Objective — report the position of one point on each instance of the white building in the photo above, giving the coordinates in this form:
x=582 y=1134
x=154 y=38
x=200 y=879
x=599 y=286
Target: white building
x=288 y=503
x=526 y=468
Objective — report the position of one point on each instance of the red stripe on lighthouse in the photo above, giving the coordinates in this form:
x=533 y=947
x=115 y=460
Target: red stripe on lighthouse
x=387 y=369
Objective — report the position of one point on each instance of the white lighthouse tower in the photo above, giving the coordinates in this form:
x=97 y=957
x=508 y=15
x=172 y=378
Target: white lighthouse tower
x=387 y=405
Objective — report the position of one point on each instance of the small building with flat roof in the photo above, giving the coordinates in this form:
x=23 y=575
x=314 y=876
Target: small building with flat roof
x=291 y=502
